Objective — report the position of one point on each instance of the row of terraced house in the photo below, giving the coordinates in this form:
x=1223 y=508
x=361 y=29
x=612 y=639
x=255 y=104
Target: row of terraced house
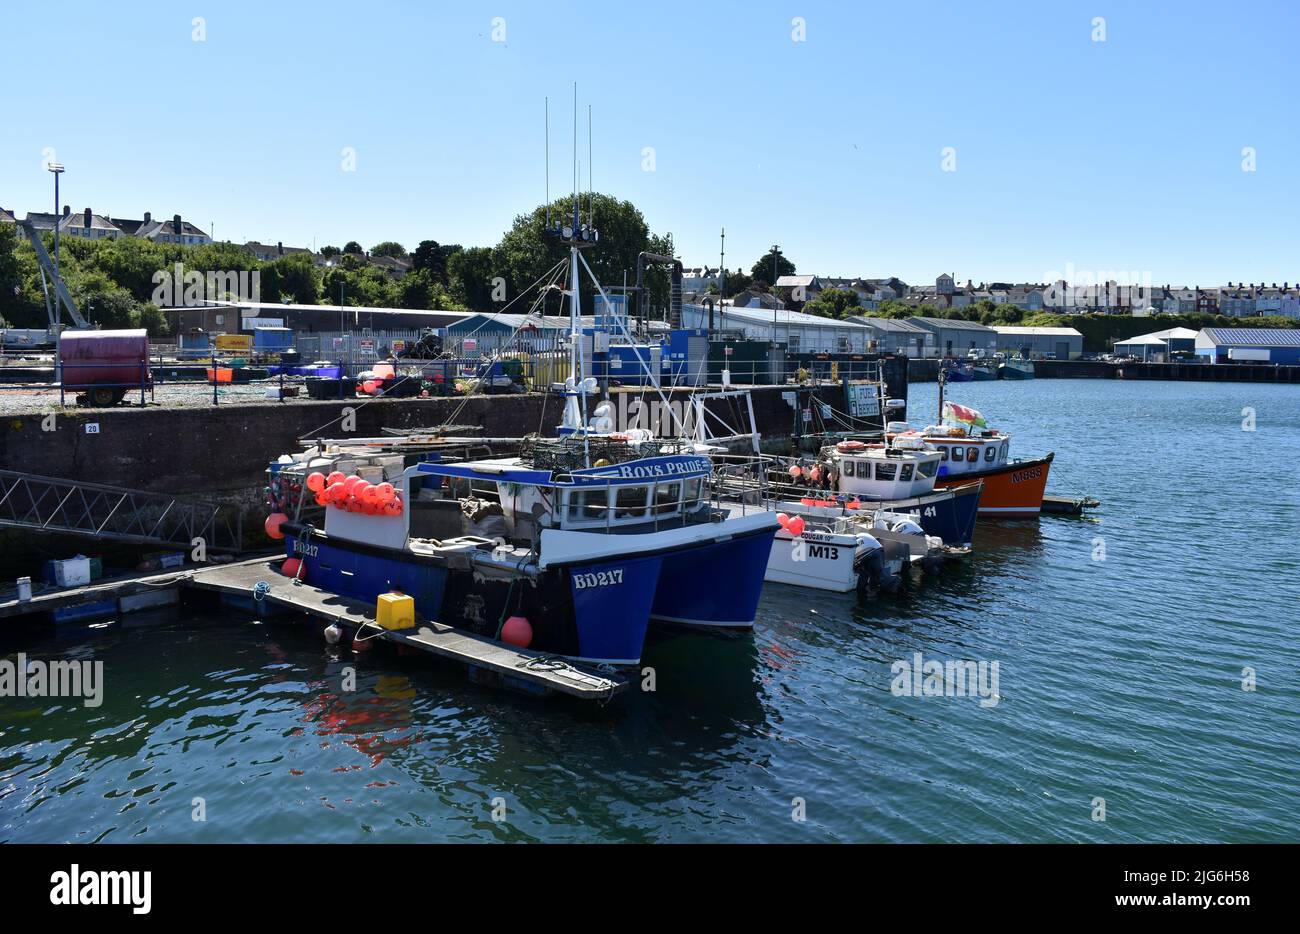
x=176 y=230
x=1239 y=299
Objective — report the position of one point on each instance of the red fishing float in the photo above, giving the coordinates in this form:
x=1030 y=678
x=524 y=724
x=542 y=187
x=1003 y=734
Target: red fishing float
x=272 y=524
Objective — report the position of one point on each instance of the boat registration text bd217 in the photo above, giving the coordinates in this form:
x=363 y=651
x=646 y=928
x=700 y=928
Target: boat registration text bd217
x=597 y=579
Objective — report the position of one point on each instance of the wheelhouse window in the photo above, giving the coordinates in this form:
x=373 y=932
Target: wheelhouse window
x=991 y=453
x=905 y=473
x=943 y=453
x=694 y=490
x=589 y=504
x=1003 y=455
x=927 y=468
x=886 y=471
x=848 y=466
x=667 y=497
x=630 y=502
x=972 y=454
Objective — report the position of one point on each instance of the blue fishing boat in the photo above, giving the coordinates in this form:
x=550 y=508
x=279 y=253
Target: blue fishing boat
x=1017 y=368
x=958 y=371
x=577 y=541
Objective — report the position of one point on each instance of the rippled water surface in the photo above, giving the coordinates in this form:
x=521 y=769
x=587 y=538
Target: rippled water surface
x=1118 y=679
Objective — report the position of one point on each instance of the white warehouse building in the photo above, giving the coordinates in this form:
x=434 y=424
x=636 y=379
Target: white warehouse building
x=801 y=333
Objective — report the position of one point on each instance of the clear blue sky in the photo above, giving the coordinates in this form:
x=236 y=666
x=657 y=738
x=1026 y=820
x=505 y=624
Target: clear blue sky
x=1117 y=155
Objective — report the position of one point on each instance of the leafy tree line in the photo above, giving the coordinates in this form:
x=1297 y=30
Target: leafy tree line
x=113 y=281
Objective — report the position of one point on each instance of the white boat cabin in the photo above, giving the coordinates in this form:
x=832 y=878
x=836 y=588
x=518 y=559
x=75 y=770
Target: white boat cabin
x=961 y=452
x=878 y=472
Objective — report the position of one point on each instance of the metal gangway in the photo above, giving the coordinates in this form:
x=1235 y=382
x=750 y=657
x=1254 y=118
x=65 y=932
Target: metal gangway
x=110 y=513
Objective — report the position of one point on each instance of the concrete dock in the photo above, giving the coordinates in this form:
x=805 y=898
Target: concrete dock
x=490 y=662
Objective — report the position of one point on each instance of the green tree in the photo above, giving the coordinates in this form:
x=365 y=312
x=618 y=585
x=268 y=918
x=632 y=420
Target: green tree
x=388 y=248
x=470 y=273
x=329 y=251
x=834 y=303
x=737 y=282
x=293 y=278
x=526 y=252
x=762 y=268
x=433 y=256
x=419 y=289
x=353 y=247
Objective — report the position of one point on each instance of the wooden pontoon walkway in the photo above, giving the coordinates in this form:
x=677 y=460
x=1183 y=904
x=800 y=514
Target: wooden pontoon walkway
x=489 y=661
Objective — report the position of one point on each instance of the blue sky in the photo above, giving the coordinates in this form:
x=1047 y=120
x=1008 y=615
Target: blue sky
x=1121 y=155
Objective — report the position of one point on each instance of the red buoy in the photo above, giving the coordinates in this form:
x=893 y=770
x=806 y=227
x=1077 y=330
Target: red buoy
x=272 y=525
x=517 y=631
x=292 y=567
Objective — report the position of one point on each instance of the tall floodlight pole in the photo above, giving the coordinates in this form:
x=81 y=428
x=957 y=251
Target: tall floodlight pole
x=57 y=169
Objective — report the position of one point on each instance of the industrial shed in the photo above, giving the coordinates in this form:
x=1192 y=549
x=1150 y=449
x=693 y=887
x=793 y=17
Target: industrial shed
x=801 y=333
x=1249 y=345
x=892 y=335
x=1058 y=343
x=954 y=337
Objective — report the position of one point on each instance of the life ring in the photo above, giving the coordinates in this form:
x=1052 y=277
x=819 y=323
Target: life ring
x=847 y=446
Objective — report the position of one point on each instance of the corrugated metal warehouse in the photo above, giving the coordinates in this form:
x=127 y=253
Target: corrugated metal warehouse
x=956 y=338
x=896 y=336
x=1059 y=343
x=1249 y=345
x=800 y=333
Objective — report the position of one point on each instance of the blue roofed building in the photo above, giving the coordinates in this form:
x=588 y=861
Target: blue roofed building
x=1249 y=345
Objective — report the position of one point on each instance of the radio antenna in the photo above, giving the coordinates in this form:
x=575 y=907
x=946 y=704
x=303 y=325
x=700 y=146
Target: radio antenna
x=591 y=191
x=576 y=182
x=547 y=106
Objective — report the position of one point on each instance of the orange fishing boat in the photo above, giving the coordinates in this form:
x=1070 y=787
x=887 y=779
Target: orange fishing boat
x=969 y=450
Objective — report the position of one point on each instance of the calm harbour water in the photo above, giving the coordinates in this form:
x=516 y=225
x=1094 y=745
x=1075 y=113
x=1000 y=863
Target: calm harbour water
x=1119 y=678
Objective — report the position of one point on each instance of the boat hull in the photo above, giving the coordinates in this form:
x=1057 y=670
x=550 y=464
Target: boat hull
x=949 y=513
x=982 y=375
x=1013 y=491
x=594 y=611
x=714 y=587
x=1012 y=372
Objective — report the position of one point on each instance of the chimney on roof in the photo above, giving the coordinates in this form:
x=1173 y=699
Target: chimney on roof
x=279 y=247
x=147 y=217
x=88 y=217
x=176 y=223
x=66 y=210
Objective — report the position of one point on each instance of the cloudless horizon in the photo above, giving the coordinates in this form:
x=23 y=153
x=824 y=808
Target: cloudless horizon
x=1123 y=155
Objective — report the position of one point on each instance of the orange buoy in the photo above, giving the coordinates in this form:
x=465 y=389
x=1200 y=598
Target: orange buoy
x=316 y=481
x=795 y=526
x=336 y=476
x=273 y=523
x=517 y=631
x=293 y=567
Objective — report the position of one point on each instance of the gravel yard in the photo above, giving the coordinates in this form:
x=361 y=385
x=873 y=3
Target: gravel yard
x=35 y=401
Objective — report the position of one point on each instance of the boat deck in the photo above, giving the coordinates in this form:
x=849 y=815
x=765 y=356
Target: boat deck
x=489 y=661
